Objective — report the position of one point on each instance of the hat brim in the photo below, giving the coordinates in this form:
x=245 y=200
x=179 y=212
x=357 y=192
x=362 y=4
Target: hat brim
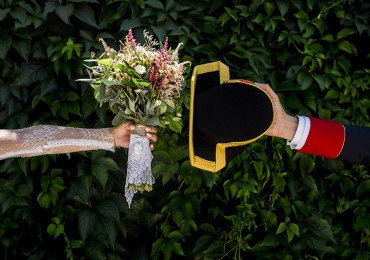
x=225 y=116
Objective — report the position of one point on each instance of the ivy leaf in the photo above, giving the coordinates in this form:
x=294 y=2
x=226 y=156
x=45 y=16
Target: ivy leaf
x=304 y=80
x=287 y=86
x=108 y=163
x=108 y=209
x=180 y=153
x=290 y=234
x=162 y=156
x=3 y=13
x=363 y=188
x=175 y=123
x=328 y=38
x=283 y=6
x=269 y=8
x=100 y=172
x=155 y=4
x=320 y=24
x=70 y=48
x=268 y=215
x=176 y=248
x=86 y=14
x=321 y=80
x=86 y=222
x=166 y=249
x=5 y=46
x=294 y=228
x=165 y=170
x=203 y=243
x=156 y=246
x=281 y=228
x=31 y=73
x=347 y=47
x=64 y=12
x=176 y=235
x=320 y=227
x=344 y=33
x=44 y=199
x=130 y=24
x=107 y=227
x=333 y=93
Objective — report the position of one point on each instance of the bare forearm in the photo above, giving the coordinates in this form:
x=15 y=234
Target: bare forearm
x=38 y=140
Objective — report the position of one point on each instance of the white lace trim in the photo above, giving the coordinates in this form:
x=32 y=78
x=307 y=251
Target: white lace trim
x=82 y=143
x=139 y=167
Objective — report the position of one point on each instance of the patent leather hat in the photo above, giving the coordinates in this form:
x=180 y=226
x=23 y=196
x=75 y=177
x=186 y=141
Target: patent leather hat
x=225 y=116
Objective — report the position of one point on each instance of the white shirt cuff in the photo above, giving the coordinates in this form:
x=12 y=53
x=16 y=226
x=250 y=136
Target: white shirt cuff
x=300 y=137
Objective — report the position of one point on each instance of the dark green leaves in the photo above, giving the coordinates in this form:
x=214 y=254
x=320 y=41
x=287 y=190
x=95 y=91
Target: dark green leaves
x=270 y=202
x=86 y=14
x=86 y=222
x=363 y=188
x=100 y=168
x=51 y=185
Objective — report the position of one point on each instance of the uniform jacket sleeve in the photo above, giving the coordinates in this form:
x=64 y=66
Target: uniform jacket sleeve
x=335 y=140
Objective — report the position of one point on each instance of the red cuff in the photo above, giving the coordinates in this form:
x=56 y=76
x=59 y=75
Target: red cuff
x=326 y=138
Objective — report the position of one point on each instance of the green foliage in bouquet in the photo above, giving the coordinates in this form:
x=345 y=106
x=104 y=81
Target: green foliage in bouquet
x=141 y=83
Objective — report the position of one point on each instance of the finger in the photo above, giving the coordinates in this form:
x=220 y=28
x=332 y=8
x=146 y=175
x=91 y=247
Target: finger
x=268 y=89
x=265 y=87
x=128 y=125
x=150 y=129
x=151 y=147
x=152 y=137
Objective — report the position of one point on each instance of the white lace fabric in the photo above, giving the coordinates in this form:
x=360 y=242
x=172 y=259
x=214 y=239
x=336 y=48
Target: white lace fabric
x=139 y=172
x=47 y=139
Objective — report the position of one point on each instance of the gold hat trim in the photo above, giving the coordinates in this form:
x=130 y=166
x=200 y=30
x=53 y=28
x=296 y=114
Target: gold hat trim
x=220 y=158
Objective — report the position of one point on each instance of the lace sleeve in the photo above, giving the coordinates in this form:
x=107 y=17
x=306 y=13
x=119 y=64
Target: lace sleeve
x=45 y=139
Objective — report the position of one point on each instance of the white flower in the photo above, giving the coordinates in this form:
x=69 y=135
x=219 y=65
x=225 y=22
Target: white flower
x=140 y=69
x=157 y=103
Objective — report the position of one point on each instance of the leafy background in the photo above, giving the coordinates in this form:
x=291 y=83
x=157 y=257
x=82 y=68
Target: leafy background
x=270 y=202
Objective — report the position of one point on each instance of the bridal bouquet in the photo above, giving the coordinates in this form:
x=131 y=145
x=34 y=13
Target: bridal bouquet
x=141 y=83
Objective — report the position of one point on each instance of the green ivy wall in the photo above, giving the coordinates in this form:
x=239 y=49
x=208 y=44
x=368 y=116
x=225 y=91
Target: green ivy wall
x=270 y=202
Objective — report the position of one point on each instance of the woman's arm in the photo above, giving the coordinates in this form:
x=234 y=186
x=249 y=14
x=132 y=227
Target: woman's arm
x=47 y=139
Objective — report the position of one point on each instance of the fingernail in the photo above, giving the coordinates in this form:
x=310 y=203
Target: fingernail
x=147 y=128
x=132 y=127
x=149 y=135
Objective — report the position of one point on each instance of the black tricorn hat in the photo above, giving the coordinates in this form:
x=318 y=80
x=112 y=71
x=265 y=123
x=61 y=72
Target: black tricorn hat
x=225 y=115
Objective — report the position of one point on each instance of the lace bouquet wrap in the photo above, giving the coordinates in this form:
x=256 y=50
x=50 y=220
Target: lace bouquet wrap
x=142 y=83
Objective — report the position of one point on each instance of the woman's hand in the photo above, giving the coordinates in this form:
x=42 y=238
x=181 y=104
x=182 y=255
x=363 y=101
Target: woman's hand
x=121 y=134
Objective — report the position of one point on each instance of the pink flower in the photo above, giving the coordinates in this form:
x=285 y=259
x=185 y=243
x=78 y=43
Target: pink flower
x=131 y=39
x=158 y=68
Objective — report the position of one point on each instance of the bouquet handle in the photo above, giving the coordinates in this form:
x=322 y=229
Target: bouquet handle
x=139 y=174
